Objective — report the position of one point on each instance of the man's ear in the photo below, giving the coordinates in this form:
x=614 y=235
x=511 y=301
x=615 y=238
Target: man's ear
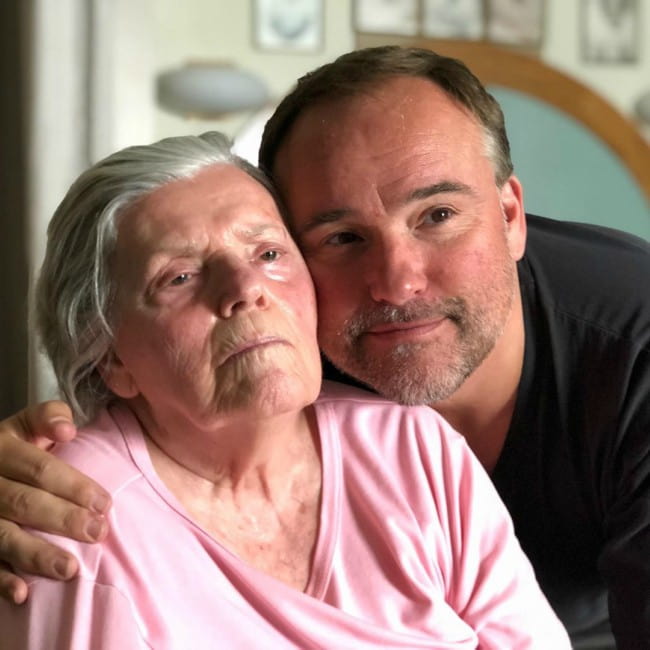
x=512 y=206
x=117 y=377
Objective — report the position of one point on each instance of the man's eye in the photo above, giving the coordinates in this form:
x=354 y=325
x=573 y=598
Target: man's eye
x=270 y=255
x=342 y=238
x=438 y=215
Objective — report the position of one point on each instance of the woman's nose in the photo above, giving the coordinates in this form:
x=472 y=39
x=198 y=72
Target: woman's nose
x=396 y=271
x=238 y=287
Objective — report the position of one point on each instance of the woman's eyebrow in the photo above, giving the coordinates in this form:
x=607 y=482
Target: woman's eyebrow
x=263 y=229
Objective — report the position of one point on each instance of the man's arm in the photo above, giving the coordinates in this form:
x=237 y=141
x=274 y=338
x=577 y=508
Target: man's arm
x=38 y=490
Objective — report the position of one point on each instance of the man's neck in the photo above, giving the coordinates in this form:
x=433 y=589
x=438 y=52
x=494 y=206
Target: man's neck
x=482 y=408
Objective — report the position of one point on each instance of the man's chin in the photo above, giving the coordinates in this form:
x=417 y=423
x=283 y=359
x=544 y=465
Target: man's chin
x=416 y=393
x=407 y=381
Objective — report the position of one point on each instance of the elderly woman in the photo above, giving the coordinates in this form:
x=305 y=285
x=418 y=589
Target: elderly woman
x=248 y=510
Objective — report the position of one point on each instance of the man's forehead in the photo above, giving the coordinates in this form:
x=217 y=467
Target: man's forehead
x=403 y=105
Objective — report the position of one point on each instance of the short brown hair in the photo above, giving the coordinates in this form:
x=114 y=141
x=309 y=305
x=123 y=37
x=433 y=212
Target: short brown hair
x=354 y=72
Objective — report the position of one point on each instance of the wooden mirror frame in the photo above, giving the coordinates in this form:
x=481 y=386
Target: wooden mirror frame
x=511 y=69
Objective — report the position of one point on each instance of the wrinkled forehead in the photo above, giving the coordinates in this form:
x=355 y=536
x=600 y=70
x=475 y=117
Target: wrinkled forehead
x=220 y=206
x=220 y=189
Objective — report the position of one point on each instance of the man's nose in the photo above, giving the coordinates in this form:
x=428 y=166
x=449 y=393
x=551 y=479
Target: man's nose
x=237 y=286
x=396 y=270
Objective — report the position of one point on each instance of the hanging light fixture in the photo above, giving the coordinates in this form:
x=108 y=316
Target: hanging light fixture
x=210 y=90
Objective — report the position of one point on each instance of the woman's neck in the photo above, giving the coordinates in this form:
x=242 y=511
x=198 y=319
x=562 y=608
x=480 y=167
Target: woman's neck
x=256 y=488
x=243 y=457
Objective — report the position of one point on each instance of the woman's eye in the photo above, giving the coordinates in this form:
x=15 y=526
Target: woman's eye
x=270 y=255
x=181 y=278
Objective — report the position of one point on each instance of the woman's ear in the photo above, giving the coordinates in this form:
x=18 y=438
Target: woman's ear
x=117 y=377
x=512 y=206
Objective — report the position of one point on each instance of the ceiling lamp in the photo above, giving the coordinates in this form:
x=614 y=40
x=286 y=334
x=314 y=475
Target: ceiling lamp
x=210 y=90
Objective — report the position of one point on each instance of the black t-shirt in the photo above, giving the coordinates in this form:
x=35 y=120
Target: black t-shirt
x=575 y=468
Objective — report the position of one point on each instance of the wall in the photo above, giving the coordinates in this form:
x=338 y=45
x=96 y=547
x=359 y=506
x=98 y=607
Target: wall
x=85 y=95
x=621 y=84
x=220 y=29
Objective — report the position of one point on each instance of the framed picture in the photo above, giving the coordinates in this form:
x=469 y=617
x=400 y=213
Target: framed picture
x=452 y=18
x=610 y=31
x=515 y=22
x=386 y=16
x=288 y=25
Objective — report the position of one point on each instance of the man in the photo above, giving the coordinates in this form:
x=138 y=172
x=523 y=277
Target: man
x=531 y=336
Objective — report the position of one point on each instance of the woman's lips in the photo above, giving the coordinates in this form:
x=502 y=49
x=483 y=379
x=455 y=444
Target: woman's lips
x=248 y=346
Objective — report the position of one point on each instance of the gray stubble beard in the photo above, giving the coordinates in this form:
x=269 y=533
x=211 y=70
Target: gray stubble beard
x=402 y=375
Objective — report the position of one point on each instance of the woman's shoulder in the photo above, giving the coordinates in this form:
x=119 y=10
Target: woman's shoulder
x=363 y=416
x=100 y=449
x=348 y=397
x=104 y=450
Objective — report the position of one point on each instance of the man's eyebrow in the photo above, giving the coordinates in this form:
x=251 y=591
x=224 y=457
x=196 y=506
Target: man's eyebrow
x=439 y=188
x=332 y=216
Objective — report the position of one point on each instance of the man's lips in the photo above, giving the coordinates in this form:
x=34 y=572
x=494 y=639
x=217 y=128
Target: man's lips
x=403 y=330
x=248 y=346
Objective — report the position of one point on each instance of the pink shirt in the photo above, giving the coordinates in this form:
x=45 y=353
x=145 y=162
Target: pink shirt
x=415 y=550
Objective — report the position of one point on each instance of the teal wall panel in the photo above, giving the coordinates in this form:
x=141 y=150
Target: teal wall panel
x=567 y=172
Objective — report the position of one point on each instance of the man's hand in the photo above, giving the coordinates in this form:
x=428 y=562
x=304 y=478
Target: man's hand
x=38 y=490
